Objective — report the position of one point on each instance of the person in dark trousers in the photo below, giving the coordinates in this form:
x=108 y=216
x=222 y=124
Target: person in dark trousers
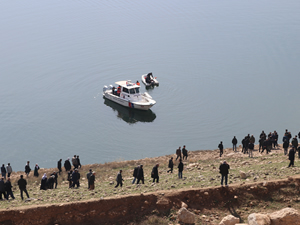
x=67 y=165
x=224 y=171
x=295 y=143
x=8 y=189
x=2 y=188
x=292 y=156
x=171 y=165
x=251 y=148
x=234 y=142
x=285 y=147
x=54 y=174
x=184 y=152
x=27 y=169
x=44 y=182
x=36 y=170
x=70 y=178
x=178 y=153
x=3 y=171
x=154 y=173
x=75 y=178
x=22 y=183
x=8 y=169
x=59 y=166
x=50 y=182
x=88 y=175
x=92 y=181
x=119 y=179
x=220 y=146
x=135 y=173
x=75 y=162
x=140 y=175
x=78 y=162
x=180 y=169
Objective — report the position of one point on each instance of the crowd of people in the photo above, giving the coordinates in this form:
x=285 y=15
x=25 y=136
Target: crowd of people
x=266 y=142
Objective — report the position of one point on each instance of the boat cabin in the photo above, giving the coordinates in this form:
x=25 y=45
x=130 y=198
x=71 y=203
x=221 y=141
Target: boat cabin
x=128 y=88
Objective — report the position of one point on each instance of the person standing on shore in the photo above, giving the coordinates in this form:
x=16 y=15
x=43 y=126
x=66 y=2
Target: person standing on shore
x=8 y=189
x=292 y=156
x=59 y=166
x=75 y=178
x=180 y=169
x=154 y=173
x=251 y=148
x=36 y=170
x=2 y=188
x=88 y=176
x=92 y=181
x=70 y=178
x=178 y=153
x=75 y=162
x=171 y=165
x=67 y=165
x=119 y=179
x=8 y=169
x=54 y=175
x=224 y=171
x=285 y=146
x=234 y=142
x=78 y=162
x=295 y=143
x=140 y=175
x=220 y=146
x=135 y=173
x=184 y=153
x=27 y=169
x=22 y=186
x=44 y=182
x=3 y=171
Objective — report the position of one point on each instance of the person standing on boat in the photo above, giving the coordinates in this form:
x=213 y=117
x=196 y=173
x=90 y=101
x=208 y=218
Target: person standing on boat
x=59 y=166
x=171 y=164
x=180 y=169
x=27 y=169
x=154 y=173
x=220 y=146
x=119 y=91
x=178 y=153
x=184 y=153
x=140 y=175
x=138 y=83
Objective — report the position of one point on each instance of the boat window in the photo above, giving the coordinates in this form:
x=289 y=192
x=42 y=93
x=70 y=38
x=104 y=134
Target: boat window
x=137 y=90
x=132 y=91
x=125 y=90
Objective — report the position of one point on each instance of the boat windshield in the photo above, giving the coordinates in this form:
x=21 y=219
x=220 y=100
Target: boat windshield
x=137 y=90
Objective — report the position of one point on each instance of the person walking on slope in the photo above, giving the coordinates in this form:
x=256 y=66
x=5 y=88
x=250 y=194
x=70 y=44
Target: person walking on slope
x=119 y=179
x=2 y=188
x=220 y=146
x=22 y=183
x=59 y=166
x=292 y=156
x=171 y=165
x=140 y=175
x=180 y=169
x=178 y=153
x=224 y=171
x=8 y=189
x=184 y=153
x=234 y=142
x=154 y=173
x=135 y=173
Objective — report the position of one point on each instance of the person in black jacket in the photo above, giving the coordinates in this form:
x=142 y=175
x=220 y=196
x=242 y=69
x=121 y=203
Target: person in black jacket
x=135 y=172
x=171 y=165
x=292 y=156
x=224 y=171
x=59 y=166
x=44 y=182
x=2 y=188
x=184 y=153
x=154 y=173
x=234 y=142
x=22 y=186
x=8 y=189
x=92 y=181
x=55 y=178
x=285 y=146
x=119 y=179
x=27 y=169
x=140 y=175
x=180 y=169
x=220 y=146
x=67 y=165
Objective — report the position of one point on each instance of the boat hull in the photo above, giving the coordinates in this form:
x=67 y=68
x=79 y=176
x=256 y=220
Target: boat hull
x=155 y=81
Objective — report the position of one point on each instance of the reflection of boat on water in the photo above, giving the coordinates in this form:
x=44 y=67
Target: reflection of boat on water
x=131 y=115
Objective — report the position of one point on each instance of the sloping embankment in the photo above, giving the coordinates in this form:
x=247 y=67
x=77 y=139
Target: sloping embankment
x=125 y=209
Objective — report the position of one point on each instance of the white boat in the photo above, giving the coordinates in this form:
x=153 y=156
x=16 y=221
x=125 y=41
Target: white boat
x=128 y=95
x=151 y=80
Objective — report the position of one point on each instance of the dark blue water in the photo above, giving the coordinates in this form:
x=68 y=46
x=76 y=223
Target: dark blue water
x=225 y=68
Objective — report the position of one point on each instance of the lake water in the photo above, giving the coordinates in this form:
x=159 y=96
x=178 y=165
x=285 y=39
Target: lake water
x=225 y=68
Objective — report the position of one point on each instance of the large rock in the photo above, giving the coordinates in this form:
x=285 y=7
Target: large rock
x=285 y=216
x=186 y=216
x=229 y=220
x=243 y=175
x=259 y=219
